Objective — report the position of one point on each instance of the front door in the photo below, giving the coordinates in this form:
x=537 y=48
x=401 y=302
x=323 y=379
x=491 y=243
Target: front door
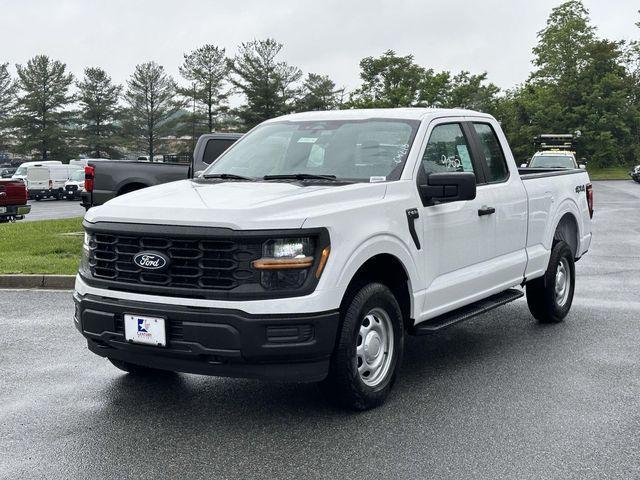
x=458 y=240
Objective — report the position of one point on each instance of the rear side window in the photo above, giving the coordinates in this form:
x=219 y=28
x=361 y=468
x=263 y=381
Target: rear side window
x=447 y=150
x=493 y=154
x=214 y=149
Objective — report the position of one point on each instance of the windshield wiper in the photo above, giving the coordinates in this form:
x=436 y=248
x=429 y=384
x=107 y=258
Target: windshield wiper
x=300 y=176
x=228 y=176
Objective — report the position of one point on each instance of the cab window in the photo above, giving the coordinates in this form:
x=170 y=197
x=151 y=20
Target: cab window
x=497 y=170
x=447 y=150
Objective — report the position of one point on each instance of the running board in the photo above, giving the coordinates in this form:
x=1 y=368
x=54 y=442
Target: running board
x=465 y=313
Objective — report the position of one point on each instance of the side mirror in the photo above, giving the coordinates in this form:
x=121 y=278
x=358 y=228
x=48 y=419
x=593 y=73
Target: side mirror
x=523 y=165
x=582 y=166
x=447 y=187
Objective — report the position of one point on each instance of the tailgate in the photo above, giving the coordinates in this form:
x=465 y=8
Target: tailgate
x=12 y=192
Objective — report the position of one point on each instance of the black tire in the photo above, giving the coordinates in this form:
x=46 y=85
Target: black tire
x=344 y=384
x=542 y=298
x=134 y=369
x=37 y=199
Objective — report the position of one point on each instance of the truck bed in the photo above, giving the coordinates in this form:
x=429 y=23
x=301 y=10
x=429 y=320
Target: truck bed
x=528 y=173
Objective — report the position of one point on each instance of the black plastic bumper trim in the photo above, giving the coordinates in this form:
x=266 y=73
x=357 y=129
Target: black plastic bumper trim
x=221 y=342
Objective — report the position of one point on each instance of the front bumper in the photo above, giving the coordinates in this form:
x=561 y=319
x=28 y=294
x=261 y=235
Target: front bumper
x=214 y=341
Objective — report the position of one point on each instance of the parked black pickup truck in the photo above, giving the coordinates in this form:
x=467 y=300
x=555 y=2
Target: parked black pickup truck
x=106 y=179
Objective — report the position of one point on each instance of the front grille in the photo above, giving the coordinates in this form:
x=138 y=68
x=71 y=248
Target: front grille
x=195 y=264
x=71 y=188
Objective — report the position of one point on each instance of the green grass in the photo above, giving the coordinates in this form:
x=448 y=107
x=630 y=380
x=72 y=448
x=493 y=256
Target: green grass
x=40 y=247
x=612 y=173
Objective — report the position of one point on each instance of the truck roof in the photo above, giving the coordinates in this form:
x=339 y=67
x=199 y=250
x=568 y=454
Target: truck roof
x=361 y=114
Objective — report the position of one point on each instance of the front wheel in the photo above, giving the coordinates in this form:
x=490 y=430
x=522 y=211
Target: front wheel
x=369 y=349
x=550 y=297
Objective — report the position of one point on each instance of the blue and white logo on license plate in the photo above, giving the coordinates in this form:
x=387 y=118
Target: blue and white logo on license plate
x=145 y=330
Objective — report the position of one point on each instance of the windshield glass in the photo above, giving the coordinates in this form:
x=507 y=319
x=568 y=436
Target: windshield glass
x=77 y=176
x=552 y=161
x=21 y=171
x=354 y=150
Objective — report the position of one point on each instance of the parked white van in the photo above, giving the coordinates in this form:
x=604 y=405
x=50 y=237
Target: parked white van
x=21 y=172
x=45 y=181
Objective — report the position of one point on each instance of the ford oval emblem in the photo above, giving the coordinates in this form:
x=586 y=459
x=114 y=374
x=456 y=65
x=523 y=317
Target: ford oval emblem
x=150 y=260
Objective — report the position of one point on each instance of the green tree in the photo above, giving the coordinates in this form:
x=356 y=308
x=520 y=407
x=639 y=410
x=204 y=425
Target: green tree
x=8 y=90
x=318 y=93
x=580 y=83
x=150 y=97
x=268 y=85
x=472 y=92
x=388 y=81
x=42 y=122
x=207 y=69
x=560 y=52
x=98 y=97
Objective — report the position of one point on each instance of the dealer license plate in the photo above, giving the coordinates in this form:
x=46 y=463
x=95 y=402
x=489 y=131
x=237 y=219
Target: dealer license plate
x=145 y=330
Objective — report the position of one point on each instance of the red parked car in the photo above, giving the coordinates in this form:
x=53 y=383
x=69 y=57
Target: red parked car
x=13 y=200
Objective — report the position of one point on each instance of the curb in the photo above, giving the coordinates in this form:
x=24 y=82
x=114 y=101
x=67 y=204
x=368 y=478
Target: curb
x=60 y=282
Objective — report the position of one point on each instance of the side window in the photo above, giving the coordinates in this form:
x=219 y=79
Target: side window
x=447 y=150
x=214 y=149
x=493 y=154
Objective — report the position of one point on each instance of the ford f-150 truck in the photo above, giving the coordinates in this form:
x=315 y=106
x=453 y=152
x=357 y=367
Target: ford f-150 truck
x=314 y=245
x=13 y=200
x=111 y=178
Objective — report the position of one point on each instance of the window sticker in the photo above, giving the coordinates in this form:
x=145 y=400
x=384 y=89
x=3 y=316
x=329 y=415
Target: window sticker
x=377 y=179
x=307 y=139
x=463 y=153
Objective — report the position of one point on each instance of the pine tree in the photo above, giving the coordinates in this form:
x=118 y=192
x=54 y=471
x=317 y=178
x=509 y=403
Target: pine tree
x=98 y=98
x=42 y=122
x=268 y=85
x=318 y=93
x=150 y=98
x=207 y=70
x=8 y=89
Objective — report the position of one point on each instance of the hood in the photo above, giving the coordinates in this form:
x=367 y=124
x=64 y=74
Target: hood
x=235 y=205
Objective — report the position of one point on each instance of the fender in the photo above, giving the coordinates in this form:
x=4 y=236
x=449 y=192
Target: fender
x=129 y=181
x=568 y=205
x=383 y=243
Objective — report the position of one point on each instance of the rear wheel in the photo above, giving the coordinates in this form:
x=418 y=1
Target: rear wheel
x=550 y=297
x=369 y=349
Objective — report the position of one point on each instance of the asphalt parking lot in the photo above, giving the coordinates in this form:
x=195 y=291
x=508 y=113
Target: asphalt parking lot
x=50 y=209
x=497 y=397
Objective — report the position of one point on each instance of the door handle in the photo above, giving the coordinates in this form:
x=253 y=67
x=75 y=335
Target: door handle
x=486 y=211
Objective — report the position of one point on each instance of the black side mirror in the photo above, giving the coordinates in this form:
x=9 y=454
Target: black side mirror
x=447 y=187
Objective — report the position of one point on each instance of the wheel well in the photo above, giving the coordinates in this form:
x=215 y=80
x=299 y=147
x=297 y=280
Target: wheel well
x=567 y=231
x=130 y=187
x=388 y=270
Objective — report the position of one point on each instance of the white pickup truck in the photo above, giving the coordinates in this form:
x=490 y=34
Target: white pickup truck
x=315 y=244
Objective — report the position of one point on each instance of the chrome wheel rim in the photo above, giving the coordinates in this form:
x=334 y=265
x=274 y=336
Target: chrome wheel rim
x=563 y=282
x=374 y=347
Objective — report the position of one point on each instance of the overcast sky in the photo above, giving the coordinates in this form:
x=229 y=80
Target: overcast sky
x=320 y=36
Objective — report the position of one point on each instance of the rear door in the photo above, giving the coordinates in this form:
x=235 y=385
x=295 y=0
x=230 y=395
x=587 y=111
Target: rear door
x=38 y=178
x=506 y=195
x=457 y=240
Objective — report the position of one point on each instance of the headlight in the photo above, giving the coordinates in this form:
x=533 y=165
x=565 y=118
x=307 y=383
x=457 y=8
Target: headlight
x=286 y=262
x=86 y=251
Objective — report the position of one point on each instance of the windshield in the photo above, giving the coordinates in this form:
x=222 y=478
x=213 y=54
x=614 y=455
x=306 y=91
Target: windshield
x=21 y=171
x=353 y=150
x=552 y=161
x=77 y=176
